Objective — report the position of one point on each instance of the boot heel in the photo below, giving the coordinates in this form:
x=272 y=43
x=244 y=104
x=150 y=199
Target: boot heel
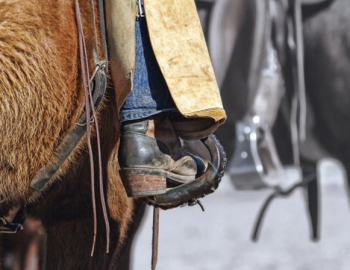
x=143 y=182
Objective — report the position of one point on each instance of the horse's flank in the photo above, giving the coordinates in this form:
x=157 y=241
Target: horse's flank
x=38 y=63
x=40 y=94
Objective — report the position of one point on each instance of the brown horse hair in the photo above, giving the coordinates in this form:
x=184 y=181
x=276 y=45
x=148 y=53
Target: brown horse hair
x=40 y=94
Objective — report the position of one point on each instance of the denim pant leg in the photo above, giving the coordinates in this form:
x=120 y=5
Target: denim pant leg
x=150 y=94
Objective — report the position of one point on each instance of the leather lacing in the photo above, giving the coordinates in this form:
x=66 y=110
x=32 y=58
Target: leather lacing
x=89 y=108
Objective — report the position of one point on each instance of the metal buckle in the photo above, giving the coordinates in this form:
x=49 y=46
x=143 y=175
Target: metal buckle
x=141 y=11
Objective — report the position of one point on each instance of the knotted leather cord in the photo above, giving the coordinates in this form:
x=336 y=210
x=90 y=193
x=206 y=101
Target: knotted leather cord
x=97 y=62
x=89 y=106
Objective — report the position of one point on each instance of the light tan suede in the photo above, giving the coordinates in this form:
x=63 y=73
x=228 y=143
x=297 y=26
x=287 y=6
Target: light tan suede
x=180 y=49
x=120 y=23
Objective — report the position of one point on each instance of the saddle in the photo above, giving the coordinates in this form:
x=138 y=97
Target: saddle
x=255 y=163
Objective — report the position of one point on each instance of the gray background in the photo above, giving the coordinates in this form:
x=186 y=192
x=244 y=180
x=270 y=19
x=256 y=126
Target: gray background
x=219 y=238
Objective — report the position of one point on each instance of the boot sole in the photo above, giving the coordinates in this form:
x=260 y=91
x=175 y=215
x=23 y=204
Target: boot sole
x=143 y=182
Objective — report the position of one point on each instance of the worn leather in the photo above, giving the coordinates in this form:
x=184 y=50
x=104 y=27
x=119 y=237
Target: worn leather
x=180 y=49
x=139 y=150
x=120 y=25
x=193 y=129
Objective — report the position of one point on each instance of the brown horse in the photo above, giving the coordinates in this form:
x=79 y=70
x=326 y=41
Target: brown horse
x=41 y=91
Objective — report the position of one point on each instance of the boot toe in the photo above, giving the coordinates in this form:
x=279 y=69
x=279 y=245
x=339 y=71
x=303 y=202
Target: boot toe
x=185 y=166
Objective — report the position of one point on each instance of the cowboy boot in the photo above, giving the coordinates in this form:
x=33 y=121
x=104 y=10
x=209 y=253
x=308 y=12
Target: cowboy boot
x=151 y=157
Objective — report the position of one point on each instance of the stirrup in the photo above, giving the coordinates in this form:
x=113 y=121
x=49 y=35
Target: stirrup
x=255 y=162
x=207 y=183
x=8 y=227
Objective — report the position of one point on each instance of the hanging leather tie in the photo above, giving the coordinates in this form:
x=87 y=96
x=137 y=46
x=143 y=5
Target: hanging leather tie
x=89 y=108
x=155 y=237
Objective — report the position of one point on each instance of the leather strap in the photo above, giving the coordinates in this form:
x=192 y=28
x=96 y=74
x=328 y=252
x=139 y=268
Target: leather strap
x=12 y=222
x=312 y=198
x=278 y=193
x=299 y=40
x=155 y=237
x=8 y=227
x=97 y=63
x=102 y=28
x=85 y=75
x=89 y=106
x=103 y=31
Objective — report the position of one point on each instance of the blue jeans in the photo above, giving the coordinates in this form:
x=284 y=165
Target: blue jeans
x=150 y=94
